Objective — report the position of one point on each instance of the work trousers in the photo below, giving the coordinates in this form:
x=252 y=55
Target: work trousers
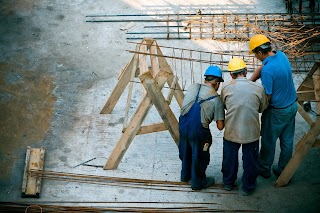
x=230 y=163
x=277 y=123
x=193 y=137
x=194 y=159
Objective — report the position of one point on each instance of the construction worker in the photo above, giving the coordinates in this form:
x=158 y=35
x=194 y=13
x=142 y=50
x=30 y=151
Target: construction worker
x=243 y=101
x=278 y=120
x=201 y=105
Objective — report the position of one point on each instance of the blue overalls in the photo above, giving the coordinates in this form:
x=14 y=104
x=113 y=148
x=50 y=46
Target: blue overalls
x=193 y=136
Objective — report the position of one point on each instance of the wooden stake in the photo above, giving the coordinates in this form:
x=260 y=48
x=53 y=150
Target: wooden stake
x=316 y=82
x=133 y=72
x=302 y=149
x=119 y=88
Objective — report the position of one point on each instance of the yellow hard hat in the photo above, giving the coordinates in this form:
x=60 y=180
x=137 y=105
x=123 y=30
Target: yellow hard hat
x=256 y=41
x=236 y=64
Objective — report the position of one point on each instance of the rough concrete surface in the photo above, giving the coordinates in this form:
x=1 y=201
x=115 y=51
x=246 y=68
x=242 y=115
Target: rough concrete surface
x=56 y=73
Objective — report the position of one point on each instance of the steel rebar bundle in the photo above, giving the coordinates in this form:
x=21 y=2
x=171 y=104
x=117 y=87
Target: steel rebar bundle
x=15 y=207
x=123 y=182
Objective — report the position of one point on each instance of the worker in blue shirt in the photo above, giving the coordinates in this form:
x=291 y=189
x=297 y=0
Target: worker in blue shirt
x=278 y=120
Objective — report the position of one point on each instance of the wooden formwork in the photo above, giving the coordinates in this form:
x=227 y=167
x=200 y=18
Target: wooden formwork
x=153 y=78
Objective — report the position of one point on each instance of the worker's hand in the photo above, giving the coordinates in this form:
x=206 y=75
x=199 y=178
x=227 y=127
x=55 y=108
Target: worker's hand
x=206 y=147
x=256 y=74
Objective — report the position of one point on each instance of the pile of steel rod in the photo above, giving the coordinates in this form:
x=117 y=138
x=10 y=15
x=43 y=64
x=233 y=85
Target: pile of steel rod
x=182 y=207
x=125 y=182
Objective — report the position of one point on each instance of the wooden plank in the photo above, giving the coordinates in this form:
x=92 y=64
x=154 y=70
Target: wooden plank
x=305 y=115
x=306 y=95
x=152 y=128
x=143 y=64
x=25 y=173
x=33 y=165
x=119 y=88
x=34 y=161
x=160 y=103
x=308 y=82
x=164 y=66
x=153 y=58
x=316 y=83
x=172 y=88
x=132 y=129
x=133 y=73
x=302 y=149
x=306 y=87
x=41 y=164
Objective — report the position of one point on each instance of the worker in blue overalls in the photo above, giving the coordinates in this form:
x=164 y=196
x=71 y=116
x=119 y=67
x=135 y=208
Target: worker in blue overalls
x=201 y=105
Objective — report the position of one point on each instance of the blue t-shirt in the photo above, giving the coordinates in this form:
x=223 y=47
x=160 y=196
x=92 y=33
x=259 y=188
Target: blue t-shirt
x=276 y=78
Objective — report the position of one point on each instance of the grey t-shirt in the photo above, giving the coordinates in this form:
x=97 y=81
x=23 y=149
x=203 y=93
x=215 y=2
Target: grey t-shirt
x=210 y=110
x=243 y=100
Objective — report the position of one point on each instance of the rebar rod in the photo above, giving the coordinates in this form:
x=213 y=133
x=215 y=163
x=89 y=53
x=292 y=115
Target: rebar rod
x=116 y=181
x=20 y=207
x=204 y=14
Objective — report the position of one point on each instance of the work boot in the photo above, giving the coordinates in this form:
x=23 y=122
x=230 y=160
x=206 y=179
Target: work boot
x=247 y=192
x=210 y=182
x=276 y=171
x=185 y=180
x=263 y=173
x=228 y=187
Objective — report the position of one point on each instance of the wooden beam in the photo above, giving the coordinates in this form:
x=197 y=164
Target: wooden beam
x=306 y=95
x=160 y=103
x=316 y=83
x=132 y=129
x=143 y=64
x=172 y=88
x=306 y=87
x=302 y=149
x=305 y=115
x=119 y=88
x=164 y=66
x=133 y=73
x=31 y=186
x=153 y=58
x=152 y=128
x=308 y=82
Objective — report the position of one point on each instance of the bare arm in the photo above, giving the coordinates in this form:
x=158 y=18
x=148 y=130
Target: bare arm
x=268 y=97
x=256 y=74
x=220 y=124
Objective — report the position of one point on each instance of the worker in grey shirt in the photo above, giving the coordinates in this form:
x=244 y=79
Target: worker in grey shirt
x=200 y=106
x=243 y=100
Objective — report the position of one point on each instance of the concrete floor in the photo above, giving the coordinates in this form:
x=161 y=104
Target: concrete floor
x=57 y=71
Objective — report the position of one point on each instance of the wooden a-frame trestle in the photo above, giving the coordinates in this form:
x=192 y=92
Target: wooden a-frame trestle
x=309 y=90
x=153 y=78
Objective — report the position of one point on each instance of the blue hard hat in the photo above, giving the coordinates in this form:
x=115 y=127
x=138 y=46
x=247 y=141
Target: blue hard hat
x=214 y=71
